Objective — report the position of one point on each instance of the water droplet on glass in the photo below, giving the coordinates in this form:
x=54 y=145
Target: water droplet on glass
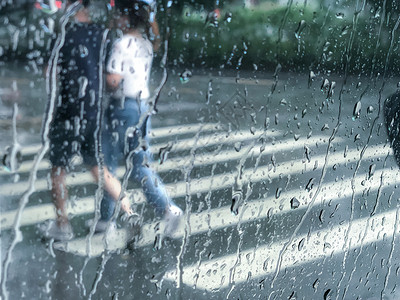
x=278 y=193
x=209 y=91
x=163 y=153
x=345 y=30
x=325 y=127
x=371 y=170
x=238 y=146
x=326 y=46
x=283 y=102
x=321 y=216
x=157 y=242
x=301 y=244
x=370 y=109
x=307 y=153
x=252 y=130
x=331 y=89
x=237 y=198
x=83 y=82
x=357 y=110
x=300 y=27
x=12 y=159
x=327 y=294
x=296 y=137
x=228 y=17
x=294 y=203
x=315 y=284
x=273 y=160
x=83 y=51
x=185 y=76
x=325 y=85
x=357 y=137
x=303 y=112
x=310 y=184
x=292 y=296
x=311 y=78
x=339 y=15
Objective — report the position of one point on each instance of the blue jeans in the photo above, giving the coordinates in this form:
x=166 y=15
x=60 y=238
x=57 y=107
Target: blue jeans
x=122 y=140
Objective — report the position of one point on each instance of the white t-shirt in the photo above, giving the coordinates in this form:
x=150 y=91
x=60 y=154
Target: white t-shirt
x=132 y=57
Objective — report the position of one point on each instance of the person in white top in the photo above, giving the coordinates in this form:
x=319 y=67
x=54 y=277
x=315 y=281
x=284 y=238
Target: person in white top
x=127 y=117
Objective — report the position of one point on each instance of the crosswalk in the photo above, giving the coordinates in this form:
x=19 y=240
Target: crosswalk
x=298 y=167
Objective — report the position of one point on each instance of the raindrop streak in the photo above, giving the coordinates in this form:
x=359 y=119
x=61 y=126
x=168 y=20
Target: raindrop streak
x=278 y=193
x=310 y=184
x=209 y=92
x=371 y=170
x=331 y=89
x=357 y=110
x=237 y=197
x=300 y=28
x=346 y=150
x=327 y=294
x=311 y=78
x=83 y=82
x=307 y=152
x=301 y=244
x=325 y=85
x=345 y=30
x=321 y=216
x=12 y=159
x=163 y=153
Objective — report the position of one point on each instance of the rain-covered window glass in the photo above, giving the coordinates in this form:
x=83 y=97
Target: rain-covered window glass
x=211 y=149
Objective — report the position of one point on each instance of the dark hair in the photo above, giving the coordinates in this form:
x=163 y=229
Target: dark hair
x=138 y=13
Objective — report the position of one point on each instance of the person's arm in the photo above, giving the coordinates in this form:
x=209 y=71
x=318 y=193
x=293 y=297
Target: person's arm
x=114 y=65
x=113 y=80
x=155 y=35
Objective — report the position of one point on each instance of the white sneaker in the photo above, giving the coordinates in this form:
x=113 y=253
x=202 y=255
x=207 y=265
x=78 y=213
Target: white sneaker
x=57 y=232
x=172 y=218
x=101 y=225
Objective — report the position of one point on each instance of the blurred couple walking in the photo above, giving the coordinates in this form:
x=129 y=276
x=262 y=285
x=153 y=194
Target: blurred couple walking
x=79 y=125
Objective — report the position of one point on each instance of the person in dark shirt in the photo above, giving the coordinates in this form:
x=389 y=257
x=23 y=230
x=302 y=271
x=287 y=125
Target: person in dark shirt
x=392 y=120
x=75 y=127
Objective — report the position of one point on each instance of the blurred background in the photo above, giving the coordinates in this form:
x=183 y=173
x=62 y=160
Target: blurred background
x=281 y=100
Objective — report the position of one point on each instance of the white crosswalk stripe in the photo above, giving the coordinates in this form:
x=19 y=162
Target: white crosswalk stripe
x=184 y=144
x=219 y=218
x=228 y=268
x=86 y=204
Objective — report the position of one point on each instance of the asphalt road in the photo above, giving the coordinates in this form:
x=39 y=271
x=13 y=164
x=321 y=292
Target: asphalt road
x=318 y=217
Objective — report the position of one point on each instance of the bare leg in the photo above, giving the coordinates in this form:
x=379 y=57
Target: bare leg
x=59 y=194
x=113 y=187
